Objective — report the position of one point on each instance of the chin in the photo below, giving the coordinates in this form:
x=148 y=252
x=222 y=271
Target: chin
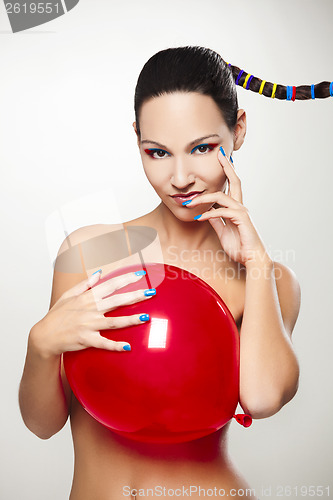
x=179 y=212
x=185 y=217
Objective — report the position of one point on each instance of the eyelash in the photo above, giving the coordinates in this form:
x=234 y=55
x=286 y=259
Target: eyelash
x=150 y=152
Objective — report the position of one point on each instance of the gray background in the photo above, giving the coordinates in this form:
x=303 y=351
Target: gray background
x=69 y=158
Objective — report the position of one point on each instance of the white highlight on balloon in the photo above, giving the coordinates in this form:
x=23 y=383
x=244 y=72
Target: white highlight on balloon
x=158 y=332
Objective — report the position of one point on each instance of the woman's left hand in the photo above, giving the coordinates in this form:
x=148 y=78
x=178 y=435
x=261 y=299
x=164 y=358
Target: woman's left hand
x=238 y=235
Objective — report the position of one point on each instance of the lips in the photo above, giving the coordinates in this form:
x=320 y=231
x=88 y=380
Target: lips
x=179 y=198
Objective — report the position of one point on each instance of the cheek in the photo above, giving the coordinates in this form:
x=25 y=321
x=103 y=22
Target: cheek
x=155 y=175
x=214 y=174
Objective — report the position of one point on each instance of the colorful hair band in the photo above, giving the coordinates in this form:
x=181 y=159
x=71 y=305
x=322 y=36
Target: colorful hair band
x=274 y=90
x=247 y=81
x=239 y=75
x=312 y=92
x=293 y=97
x=331 y=89
x=262 y=86
x=291 y=93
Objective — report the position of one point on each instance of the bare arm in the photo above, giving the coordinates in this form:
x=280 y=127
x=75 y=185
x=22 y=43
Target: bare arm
x=269 y=369
x=44 y=393
x=44 y=404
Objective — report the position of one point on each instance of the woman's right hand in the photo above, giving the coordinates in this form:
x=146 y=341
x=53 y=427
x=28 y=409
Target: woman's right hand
x=74 y=321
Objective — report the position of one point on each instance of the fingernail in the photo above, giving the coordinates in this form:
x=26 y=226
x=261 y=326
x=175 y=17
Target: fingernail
x=140 y=273
x=222 y=150
x=144 y=317
x=149 y=292
x=99 y=271
x=232 y=161
x=127 y=347
x=197 y=217
x=186 y=202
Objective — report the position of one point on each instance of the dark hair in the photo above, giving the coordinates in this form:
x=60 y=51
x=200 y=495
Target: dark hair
x=199 y=69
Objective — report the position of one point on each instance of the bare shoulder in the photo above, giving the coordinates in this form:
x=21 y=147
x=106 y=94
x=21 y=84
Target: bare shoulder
x=70 y=264
x=289 y=294
x=84 y=233
x=70 y=269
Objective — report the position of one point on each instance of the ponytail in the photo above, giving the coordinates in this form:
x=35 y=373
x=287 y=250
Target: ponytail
x=289 y=93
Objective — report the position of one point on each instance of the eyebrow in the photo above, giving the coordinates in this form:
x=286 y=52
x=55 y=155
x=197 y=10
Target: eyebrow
x=190 y=144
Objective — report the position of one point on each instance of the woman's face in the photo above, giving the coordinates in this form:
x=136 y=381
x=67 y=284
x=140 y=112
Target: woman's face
x=180 y=137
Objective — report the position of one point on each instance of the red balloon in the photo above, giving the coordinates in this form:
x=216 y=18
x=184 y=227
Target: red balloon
x=180 y=381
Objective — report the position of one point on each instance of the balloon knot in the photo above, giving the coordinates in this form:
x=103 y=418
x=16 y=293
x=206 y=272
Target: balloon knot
x=244 y=419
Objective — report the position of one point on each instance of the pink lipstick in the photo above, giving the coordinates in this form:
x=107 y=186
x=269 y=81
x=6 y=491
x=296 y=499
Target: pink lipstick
x=179 y=198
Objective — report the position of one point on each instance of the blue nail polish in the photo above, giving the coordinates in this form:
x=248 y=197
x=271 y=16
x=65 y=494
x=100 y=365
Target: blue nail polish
x=144 y=317
x=197 y=217
x=127 y=347
x=99 y=271
x=140 y=273
x=222 y=150
x=232 y=161
x=150 y=292
x=186 y=202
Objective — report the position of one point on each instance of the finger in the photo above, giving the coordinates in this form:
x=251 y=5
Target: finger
x=82 y=286
x=113 y=284
x=218 y=224
x=95 y=339
x=113 y=323
x=216 y=221
x=226 y=213
x=217 y=197
x=215 y=215
x=235 y=189
x=124 y=299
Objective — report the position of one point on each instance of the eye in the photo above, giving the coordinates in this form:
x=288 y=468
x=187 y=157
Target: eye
x=159 y=152
x=204 y=148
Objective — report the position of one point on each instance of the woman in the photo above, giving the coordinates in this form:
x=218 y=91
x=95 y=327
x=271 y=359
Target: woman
x=187 y=125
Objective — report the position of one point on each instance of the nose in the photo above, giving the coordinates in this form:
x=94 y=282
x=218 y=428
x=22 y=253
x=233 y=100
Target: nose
x=182 y=175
